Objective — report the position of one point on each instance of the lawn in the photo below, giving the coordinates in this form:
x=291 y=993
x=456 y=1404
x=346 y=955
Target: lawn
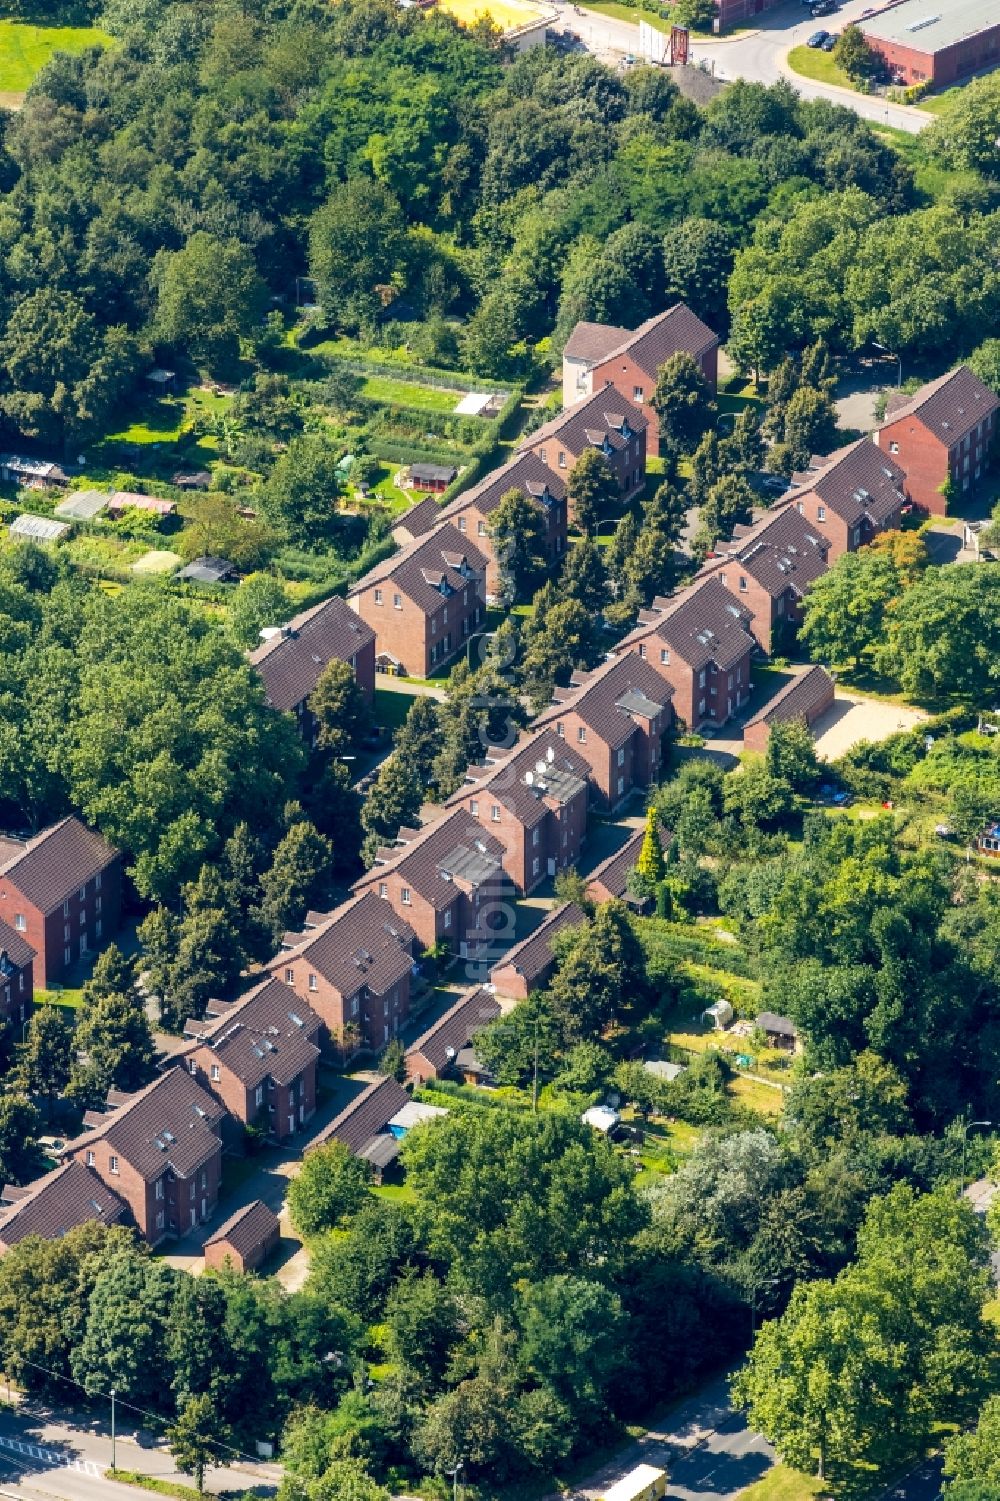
x=783 y=1484
x=401 y=393
x=163 y=419
x=392 y=708
x=508 y=14
x=813 y=62
x=72 y=1000
x=629 y=13
x=25 y=49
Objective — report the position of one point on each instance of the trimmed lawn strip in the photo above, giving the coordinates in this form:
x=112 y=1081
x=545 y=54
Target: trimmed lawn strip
x=781 y=1483
x=155 y=1483
x=813 y=62
x=25 y=49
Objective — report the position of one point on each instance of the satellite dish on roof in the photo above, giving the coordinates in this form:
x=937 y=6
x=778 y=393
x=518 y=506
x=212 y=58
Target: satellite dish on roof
x=550 y=755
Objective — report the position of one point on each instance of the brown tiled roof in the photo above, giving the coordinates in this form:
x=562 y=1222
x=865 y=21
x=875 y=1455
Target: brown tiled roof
x=419 y=519
x=525 y=472
x=701 y=624
x=441 y=1043
x=950 y=406
x=290 y=663
x=588 y=422
x=422 y=571
x=246 y=1230
x=266 y=1034
x=15 y=946
x=68 y=1196
x=57 y=862
x=166 y=1125
x=782 y=551
x=797 y=699
x=455 y=847
x=533 y=955
x=610 y=699
x=676 y=331
x=592 y=342
x=366 y=1115
x=613 y=873
x=855 y=482
x=361 y=944
x=542 y=767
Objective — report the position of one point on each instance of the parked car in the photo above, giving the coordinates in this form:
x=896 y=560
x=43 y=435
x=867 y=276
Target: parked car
x=824 y=7
x=774 y=484
x=817 y=39
x=830 y=43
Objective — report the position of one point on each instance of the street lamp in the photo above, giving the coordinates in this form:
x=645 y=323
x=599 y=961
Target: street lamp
x=967 y=1126
x=454 y=1475
x=892 y=356
x=755 y=1288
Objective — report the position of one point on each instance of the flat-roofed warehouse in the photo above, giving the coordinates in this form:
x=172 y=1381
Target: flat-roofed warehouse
x=936 y=41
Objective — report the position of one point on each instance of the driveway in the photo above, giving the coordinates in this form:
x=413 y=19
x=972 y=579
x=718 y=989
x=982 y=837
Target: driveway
x=759 y=56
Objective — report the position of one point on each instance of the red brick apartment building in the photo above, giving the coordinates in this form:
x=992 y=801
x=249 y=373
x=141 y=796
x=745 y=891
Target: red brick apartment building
x=615 y=718
x=353 y=968
x=160 y=1152
x=529 y=964
x=609 y=423
x=61 y=892
x=942 y=433
x=17 y=959
x=700 y=644
x=291 y=657
x=599 y=355
x=534 y=801
x=935 y=41
x=768 y=567
x=424 y=603
x=440 y=1049
x=806 y=697
x=258 y=1055
x=527 y=473
x=50 y=1207
x=851 y=496
x=447 y=881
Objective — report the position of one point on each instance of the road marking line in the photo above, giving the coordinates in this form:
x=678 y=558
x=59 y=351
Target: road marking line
x=52 y=1457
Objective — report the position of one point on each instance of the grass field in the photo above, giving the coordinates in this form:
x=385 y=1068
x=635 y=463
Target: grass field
x=629 y=13
x=508 y=14
x=783 y=1484
x=813 y=62
x=403 y=393
x=25 y=49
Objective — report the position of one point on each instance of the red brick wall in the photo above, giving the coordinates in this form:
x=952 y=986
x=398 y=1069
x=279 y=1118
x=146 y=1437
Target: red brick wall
x=624 y=464
x=15 y=997
x=632 y=382
x=764 y=615
x=140 y=1196
x=732 y=11
x=220 y=1251
x=97 y=917
x=334 y=1009
x=928 y=464
x=406 y=633
x=364 y=670
x=473 y=524
x=943 y=67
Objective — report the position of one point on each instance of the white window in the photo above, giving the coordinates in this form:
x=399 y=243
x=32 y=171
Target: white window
x=821 y=513
x=66 y=932
x=192 y=1066
x=215 y=1073
x=535 y=864
x=800 y=508
x=383 y=889
x=729 y=683
x=701 y=706
x=642 y=650
x=562 y=459
x=83 y=893
x=20 y=922
x=494 y=812
x=535 y=835
x=447 y=918
x=781 y=605
x=444 y=614
x=159 y=1188
x=664 y=656
x=159 y=1220
x=561 y=730
x=581 y=735
x=289 y=976
x=743 y=584
x=461 y=523
x=313 y=983
x=397 y=601
x=91 y=1159
x=354 y=1006
x=378 y=596
x=65 y=909
x=259 y=1096
x=893 y=447
x=701 y=678
x=481 y=529
x=98 y=905
x=67 y=956
x=636 y=393
x=83 y=918
x=404 y=896
x=112 y=1164
x=621 y=755
x=541 y=455
x=97 y=881
x=474 y=805
x=621 y=785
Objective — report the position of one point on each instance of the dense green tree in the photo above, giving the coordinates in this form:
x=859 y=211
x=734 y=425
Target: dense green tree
x=984 y=361
x=340 y=708
x=929 y=660
x=974 y=1458
x=195 y=1438
x=209 y=296
x=357 y=246
x=331 y=1187
x=791 y=755
x=698 y=257
x=259 y=601
x=20 y=1156
x=114 y=1035
x=583 y=576
x=966 y=136
x=854 y=55
x=592 y=489
x=423 y=1324
x=517 y=530
x=299 y=497
x=684 y=403
x=844 y=614
x=122 y=1339
x=810 y=425
x=393 y=801
x=44 y=1059
x=297 y=879
x=601 y=973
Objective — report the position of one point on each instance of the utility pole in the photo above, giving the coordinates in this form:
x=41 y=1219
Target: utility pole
x=113 y=1465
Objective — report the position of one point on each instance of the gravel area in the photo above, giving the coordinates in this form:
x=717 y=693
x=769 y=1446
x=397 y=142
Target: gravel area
x=851 y=718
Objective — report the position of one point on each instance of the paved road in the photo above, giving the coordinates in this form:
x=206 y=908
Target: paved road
x=758 y=56
x=705 y=1447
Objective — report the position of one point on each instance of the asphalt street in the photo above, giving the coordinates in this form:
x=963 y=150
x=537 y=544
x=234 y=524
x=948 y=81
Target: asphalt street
x=758 y=55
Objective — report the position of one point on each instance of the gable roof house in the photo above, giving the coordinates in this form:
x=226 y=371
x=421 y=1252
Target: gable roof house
x=447 y=881
x=418 y=520
x=768 y=567
x=615 y=718
x=291 y=657
x=424 y=603
x=160 y=1151
x=808 y=695
x=53 y=1205
x=447 y=1045
x=852 y=495
x=529 y=964
x=598 y=355
x=61 y=891
x=353 y=967
x=363 y=1125
x=470 y=512
x=245 y=1239
x=605 y=421
x=258 y=1054
x=941 y=436
x=700 y=643
x=534 y=800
